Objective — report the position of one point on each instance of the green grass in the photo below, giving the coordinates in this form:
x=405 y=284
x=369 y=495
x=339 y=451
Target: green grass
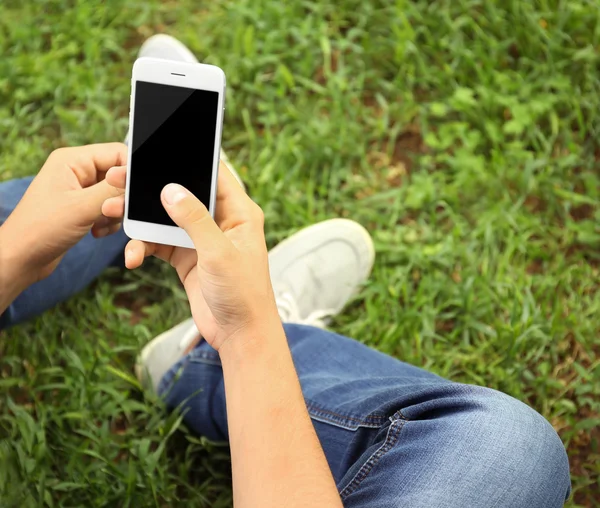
x=463 y=133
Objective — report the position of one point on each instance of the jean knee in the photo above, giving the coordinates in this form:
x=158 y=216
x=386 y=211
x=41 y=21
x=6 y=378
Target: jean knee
x=525 y=445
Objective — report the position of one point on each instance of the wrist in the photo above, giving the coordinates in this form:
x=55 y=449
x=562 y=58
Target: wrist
x=253 y=342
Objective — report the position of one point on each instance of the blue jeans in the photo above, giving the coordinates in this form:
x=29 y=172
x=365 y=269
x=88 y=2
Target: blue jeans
x=394 y=435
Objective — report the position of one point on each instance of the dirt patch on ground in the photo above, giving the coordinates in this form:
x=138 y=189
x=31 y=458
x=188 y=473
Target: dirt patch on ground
x=582 y=212
x=133 y=304
x=394 y=159
x=407 y=146
x=580 y=449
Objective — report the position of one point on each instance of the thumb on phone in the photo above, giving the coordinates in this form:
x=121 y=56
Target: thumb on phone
x=189 y=213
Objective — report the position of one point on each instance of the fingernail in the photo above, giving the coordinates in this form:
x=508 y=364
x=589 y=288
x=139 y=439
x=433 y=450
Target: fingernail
x=102 y=232
x=173 y=193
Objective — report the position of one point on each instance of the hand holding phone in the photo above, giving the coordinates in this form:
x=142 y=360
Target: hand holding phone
x=226 y=277
x=176 y=118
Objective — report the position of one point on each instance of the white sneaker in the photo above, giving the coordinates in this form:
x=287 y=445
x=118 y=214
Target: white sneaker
x=164 y=351
x=165 y=47
x=316 y=271
x=314 y=274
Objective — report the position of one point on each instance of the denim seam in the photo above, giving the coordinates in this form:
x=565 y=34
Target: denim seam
x=202 y=354
x=344 y=420
x=205 y=357
x=399 y=414
x=390 y=440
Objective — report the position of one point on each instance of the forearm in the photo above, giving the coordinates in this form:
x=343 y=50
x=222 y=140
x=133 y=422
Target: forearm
x=276 y=455
x=13 y=275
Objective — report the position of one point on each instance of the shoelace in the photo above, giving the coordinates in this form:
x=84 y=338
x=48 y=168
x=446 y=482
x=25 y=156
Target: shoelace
x=289 y=312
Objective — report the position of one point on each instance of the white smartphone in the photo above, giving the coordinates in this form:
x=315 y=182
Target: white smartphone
x=175 y=123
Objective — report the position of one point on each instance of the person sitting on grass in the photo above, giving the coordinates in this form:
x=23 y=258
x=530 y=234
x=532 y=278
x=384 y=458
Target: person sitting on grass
x=312 y=418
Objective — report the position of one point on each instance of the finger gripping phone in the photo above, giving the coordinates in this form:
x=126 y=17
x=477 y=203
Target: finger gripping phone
x=176 y=119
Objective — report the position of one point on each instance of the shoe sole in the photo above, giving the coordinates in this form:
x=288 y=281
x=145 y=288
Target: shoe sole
x=178 y=46
x=140 y=364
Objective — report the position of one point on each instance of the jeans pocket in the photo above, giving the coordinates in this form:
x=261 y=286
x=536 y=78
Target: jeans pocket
x=344 y=420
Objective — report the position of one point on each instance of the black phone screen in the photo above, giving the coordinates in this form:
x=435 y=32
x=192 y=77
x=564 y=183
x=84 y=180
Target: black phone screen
x=174 y=131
